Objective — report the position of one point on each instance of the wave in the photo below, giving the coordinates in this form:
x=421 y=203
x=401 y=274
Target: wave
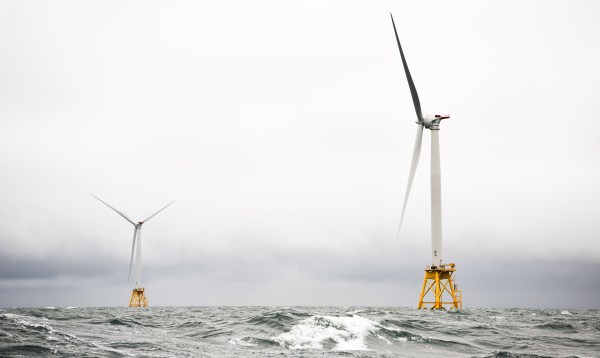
x=280 y=319
x=26 y=350
x=211 y=332
x=191 y=324
x=407 y=324
x=505 y=354
x=246 y=341
x=252 y=342
x=39 y=333
x=27 y=322
x=403 y=336
x=122 y=322
x=129 y=322
x=557 y=326
x=355 y=311
x=343 y=333
x=349 y=333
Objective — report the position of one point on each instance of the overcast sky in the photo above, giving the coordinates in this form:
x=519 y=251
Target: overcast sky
x=285 y=130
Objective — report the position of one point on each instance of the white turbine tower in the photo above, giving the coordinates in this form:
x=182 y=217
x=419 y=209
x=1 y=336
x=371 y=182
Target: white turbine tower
x=437 y=271
x=138 y=298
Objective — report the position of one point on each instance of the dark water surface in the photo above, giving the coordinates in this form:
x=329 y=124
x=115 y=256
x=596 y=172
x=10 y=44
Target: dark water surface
x=297 y=332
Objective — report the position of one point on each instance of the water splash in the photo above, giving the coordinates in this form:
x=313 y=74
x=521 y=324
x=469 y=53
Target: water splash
x=348 y=333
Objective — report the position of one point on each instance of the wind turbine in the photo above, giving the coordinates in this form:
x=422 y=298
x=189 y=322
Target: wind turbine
x=138 y=298
x=438 y=273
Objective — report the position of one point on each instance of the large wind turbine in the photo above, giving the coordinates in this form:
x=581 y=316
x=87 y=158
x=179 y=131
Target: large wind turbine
x=137 y=237
x=431 y=122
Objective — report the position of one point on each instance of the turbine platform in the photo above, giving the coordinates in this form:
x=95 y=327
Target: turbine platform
x=439 y=288
x=138 y=298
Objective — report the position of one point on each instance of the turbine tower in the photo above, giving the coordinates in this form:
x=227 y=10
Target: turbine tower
x=438 y=276
x=138 y=297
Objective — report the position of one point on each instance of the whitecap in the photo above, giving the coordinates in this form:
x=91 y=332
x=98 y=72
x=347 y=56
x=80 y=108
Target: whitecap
x=348 y=333
x=354 y=312
x=50 y=308
x=246 y=342
x=384 y=339
x=25 y=323
x=71 y=307
x=565 y=312
x=36 y=325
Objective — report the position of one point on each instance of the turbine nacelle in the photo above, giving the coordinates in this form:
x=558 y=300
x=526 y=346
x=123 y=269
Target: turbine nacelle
x=432 y=121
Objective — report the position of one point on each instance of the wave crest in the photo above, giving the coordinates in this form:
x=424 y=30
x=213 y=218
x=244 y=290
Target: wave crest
x=344 y=333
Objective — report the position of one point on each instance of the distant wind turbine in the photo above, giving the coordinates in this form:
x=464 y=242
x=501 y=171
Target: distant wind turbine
x=138 y=297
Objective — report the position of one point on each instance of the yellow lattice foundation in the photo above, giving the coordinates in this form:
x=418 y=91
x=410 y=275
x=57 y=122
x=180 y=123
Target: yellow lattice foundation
x=138 y=298
x=439 y=289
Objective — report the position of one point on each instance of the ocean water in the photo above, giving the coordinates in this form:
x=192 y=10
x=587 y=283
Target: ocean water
x=297 y=332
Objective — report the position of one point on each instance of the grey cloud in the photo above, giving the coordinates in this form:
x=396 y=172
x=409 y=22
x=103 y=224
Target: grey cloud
x=48 y=268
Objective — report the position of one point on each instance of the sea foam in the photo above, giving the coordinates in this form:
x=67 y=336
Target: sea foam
x=348 y=333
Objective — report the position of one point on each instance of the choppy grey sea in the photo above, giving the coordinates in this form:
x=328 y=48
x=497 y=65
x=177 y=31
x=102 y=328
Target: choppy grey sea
x=297 y=332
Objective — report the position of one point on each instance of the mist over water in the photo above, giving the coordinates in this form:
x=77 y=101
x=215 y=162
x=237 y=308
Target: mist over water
x=298 y=331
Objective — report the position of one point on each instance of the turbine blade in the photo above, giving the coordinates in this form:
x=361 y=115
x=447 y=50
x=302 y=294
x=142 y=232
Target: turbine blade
x=118 y=212
x=411 y=174
x=166 y=206
x=413 y=89
x=132 y=249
